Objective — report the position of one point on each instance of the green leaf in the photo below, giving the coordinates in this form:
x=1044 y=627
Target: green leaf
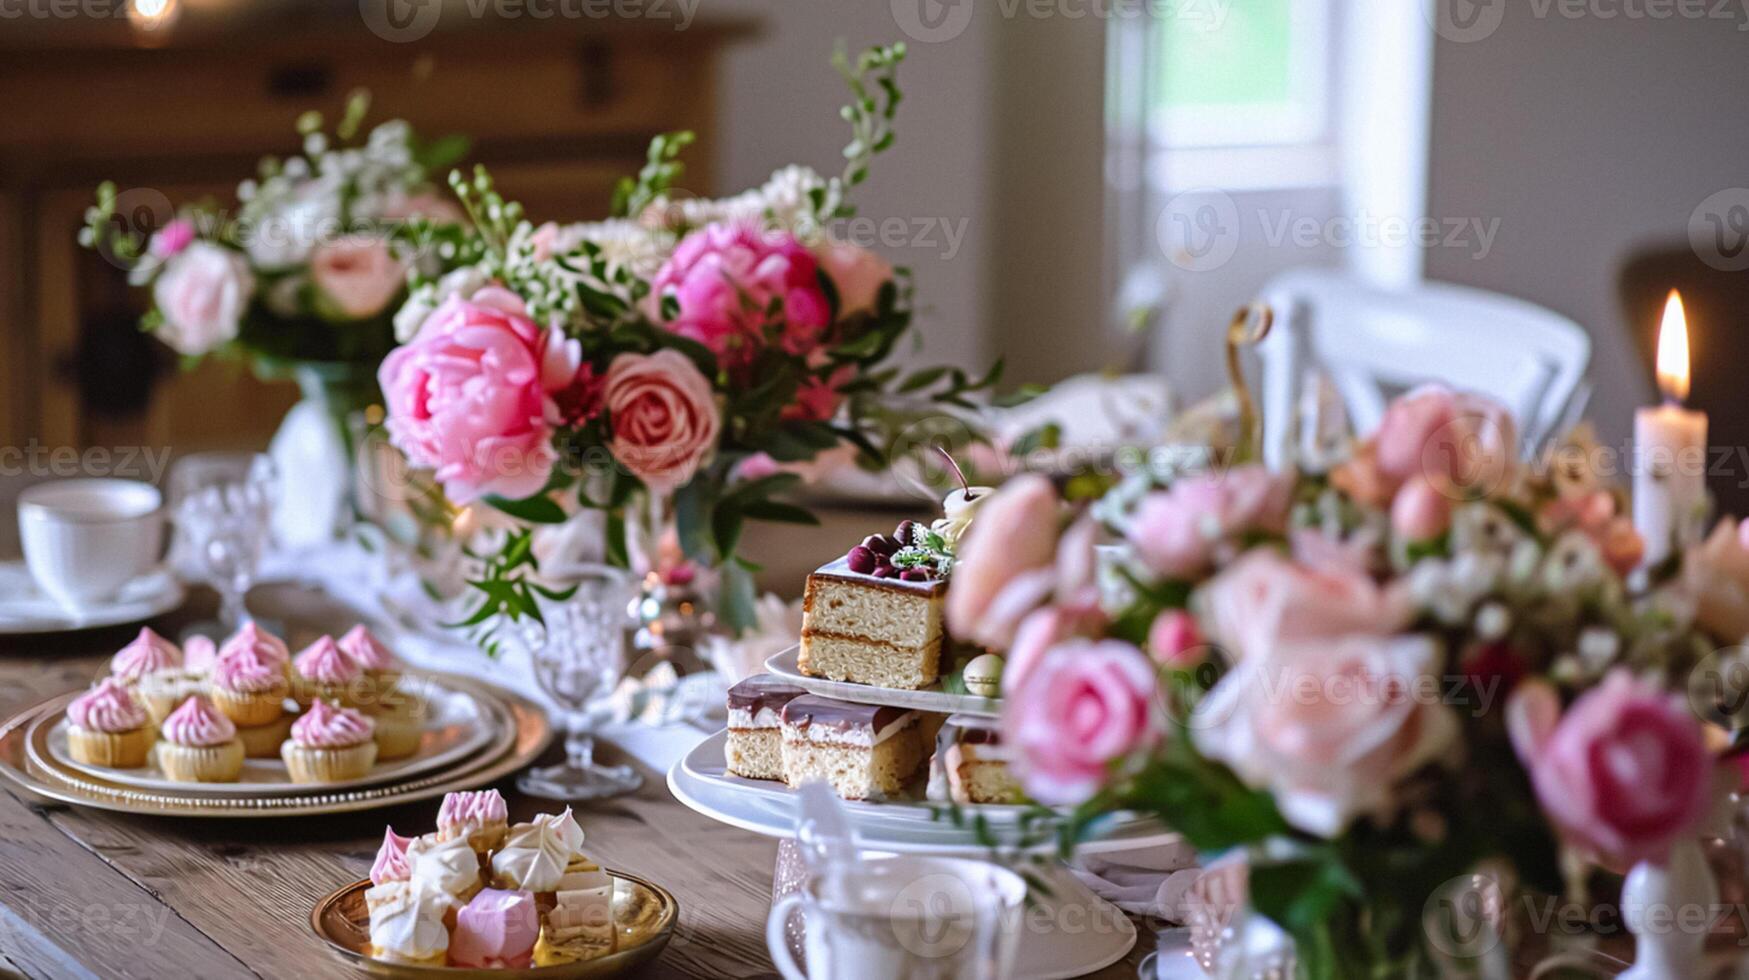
x=535 y=510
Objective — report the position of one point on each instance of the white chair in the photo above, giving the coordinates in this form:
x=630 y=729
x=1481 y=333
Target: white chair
x=1373 y=343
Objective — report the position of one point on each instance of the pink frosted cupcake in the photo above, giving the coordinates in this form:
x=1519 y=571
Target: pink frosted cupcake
x=478 y=815
x=322 y=672
x=146 y=653
x=391 y=861
x=156 y=672
x=108 y=727
x=198 y=744
x=328 y=745
x=249 y=677
x=381 y=669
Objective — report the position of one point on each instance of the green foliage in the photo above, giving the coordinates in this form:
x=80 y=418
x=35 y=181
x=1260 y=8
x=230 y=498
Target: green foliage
x=870 y=117
x=662 y=167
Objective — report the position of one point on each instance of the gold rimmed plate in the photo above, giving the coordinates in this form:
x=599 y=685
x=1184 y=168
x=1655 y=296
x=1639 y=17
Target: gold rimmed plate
x=523 y=735
x=644 y=915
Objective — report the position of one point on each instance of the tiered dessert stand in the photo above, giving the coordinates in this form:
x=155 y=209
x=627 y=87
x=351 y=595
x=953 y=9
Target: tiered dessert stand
x=1067 y=933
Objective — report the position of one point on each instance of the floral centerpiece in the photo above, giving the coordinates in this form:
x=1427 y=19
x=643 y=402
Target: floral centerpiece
x=1367 y=682
x=677 y=366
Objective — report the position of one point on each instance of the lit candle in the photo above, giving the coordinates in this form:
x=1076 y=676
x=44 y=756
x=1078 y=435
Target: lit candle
x=1670 y=442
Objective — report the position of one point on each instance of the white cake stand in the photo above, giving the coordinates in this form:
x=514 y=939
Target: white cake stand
x=1069 y=933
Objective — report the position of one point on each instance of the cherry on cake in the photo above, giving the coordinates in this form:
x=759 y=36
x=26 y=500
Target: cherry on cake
x=755 y=745
x=874 y=616
x=861 y=750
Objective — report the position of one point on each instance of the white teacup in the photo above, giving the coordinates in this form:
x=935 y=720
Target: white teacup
x=904 y=917
x=85 y=539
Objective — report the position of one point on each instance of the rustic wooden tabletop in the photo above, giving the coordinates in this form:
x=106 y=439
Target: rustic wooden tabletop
x=87 y=893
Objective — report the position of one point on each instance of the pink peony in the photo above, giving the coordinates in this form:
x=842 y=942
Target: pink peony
x=1086 y=705
x=1624 y=773
x=1329 y=727
x=1264 y=601
x=357 y=275
x=471 y=396
x=202 y=294
x=664 y=417
x=1181 y=532
x=1044 y=629
x=1005 y=567
x=857 y=273
x=727 y=279
x=1460 y=443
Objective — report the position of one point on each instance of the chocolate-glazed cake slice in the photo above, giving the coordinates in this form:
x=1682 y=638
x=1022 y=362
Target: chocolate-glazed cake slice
x=881 y=631
x=862 y=750
x=755 y=746
x=970 y=764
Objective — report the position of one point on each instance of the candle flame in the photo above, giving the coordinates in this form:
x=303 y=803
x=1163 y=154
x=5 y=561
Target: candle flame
x=1673 y=378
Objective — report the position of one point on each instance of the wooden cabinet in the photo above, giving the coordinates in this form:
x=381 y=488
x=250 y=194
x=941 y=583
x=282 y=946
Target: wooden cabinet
x=558 y=113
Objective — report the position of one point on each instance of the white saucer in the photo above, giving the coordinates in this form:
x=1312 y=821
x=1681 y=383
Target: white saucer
x=25 y=610
x=932 y=698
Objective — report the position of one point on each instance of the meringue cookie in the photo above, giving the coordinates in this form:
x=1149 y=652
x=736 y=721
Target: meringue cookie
x=496 y=930
x=448 y=865
x=538 y=853
x=406 y=921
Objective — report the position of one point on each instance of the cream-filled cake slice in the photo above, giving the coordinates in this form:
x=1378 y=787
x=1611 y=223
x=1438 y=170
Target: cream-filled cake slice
x=755 y=744
x=970 y=764
x=862 y=750
x=883 y=631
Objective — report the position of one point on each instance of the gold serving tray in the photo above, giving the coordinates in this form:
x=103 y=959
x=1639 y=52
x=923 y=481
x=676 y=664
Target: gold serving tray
x=525 y=733
x=643 y=911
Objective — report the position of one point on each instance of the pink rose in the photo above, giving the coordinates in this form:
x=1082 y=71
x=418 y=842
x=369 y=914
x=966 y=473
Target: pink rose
x=1045 y=628
x=471 y=396
x=1005 y=562
x=1420 y=512
x=726 y=280
x=1182 y=532
x=357 y=275
x=857 y=273
x=202 y=294
x=171 y=239
x=1458 y=442
x=664 y=417
x=1175 y=641
x=1264 y=601
x=1329 y=727
x=1623 y=774
x=1087 y=705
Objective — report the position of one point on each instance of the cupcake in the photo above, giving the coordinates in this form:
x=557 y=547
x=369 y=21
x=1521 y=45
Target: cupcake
x=249 y=677
x=391 y=861
x=198 y=744
x=479 y=816
x=381 y=669
x=108 y=727
x=407 y=923
x=446 y=863
x=322 y=672
x=400 y=718
x=329 y=744
x=198 y=654
x=155 y=669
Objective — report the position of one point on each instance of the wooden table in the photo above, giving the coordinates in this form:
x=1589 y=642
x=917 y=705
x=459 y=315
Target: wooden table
x=91 y=893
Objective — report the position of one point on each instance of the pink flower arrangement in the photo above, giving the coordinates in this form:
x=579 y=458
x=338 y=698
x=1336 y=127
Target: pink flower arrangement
x=732 y=281
x=471 y=396
x=1007 y=562
x=1265 y=601
x=1085 y=706
x=664 y=416
x=1623 y=773
x=1181 y=532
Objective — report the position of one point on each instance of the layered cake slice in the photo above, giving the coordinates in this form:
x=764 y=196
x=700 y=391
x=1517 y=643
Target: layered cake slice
x=755 y=747
x=862 y=750
x=971 y=764
x=875 y=615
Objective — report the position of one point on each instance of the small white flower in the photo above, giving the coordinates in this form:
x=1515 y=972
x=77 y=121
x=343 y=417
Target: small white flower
x=1483 y=527
x=1492 y=621
x=1597 y=648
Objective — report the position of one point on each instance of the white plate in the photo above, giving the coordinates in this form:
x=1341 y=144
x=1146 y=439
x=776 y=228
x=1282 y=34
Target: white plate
x=701 y=781
x=459 y=725
x=929 y=699
x=25 y=610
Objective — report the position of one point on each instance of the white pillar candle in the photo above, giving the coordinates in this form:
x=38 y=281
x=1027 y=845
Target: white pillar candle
x=1670 y=449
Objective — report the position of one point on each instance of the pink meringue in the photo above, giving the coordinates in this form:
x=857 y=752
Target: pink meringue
x=497 y=929
x=327 y=727
x=196 y=723
x=471 y=810
x=364 y=648
x=391 y=860
x=147 y=652
x=108 y=707
x=323 y=663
